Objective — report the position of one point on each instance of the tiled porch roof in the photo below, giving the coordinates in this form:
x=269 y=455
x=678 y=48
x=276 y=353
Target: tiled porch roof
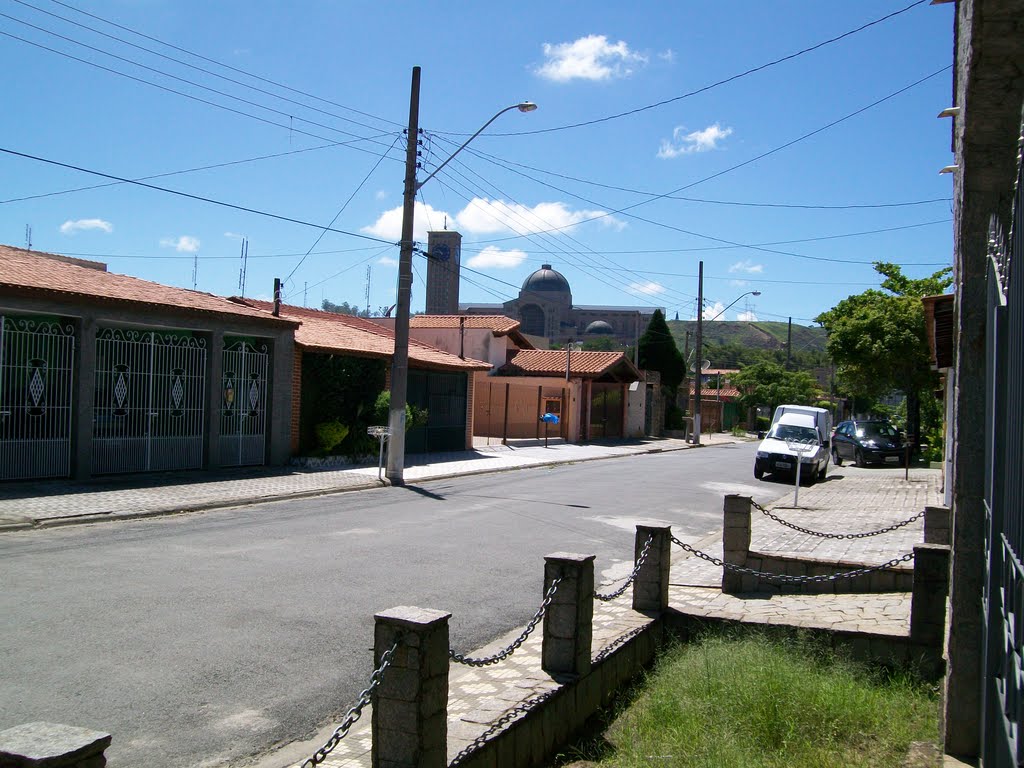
x=47 y=275
x=551 y=362
x=332 y=332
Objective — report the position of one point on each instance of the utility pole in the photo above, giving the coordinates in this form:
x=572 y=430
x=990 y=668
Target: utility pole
x=400 y=359
x=686 y=370
x=789 y=343
x=636 y=341
x=698 y=354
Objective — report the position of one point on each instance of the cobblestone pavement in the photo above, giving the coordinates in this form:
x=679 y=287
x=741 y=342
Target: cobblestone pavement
x=41 y=503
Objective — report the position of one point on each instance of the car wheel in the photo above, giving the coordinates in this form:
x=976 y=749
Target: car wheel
x=811 y=478
x=758 y=473
x=822 y=471
x=858 y=458
x=836 y=458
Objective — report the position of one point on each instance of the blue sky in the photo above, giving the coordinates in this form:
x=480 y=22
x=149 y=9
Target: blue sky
x=600 y=201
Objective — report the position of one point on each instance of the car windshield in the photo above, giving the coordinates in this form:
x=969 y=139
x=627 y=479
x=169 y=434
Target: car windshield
x=794 y=433
x=875 y=430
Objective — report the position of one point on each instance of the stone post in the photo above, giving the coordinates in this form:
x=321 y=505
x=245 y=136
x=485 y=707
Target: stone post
x=735 y=540
x=936 y=525
x=650 y=588
x=928 y=600
x=410 y=708
x=52 y=744
x=568 y=621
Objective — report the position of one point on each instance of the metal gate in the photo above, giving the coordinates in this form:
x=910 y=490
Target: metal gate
x=443 y=395
x=1003 y=604
x=243 y=419
x=148 y=413
x=36 y=383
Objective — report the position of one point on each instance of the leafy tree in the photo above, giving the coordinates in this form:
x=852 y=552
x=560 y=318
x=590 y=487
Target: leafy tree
x=771 y=384
x=877 y=338
x=658 y=352
x=345 y=309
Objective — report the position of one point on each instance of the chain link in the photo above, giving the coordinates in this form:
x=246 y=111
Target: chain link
x=502 y=655
x=606 y=651
x=785 y=578
x=508 y=717
x=809 y=532
x=357 y=710
x=636 y=569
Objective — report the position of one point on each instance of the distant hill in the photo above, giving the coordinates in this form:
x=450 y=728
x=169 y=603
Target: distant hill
x=754 y=335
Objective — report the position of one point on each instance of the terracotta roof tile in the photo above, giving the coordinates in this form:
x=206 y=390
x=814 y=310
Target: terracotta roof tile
x=55 y=275
x=725 y=392
x=551 y=362
x=497 y=323
x=333 y=332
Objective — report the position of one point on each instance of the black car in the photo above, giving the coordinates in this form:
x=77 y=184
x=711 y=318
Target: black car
x=867 y=442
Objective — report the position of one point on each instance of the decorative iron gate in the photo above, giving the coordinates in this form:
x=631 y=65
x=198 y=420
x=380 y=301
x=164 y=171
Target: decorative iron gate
x=36 y=384
x=1003 y=605
x=243 y=420
x=148 y=413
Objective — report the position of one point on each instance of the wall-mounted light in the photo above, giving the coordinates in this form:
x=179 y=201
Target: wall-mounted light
x=949 y=112
x=949 y=169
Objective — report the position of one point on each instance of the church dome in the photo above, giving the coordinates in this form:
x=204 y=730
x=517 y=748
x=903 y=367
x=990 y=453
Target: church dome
x=601 y=327
x=547 y=280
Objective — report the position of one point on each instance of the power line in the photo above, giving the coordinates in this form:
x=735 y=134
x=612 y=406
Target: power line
x=191 y=196
x=201 y=258
x=341 y=210
x=190 y=170
x=772 y=151
x=182 y=93
x=192 y=66
x=225 y=66
x=718 y=83
x=166 y=74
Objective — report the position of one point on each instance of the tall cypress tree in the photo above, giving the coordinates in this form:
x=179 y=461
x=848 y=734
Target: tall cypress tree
x=658 y=352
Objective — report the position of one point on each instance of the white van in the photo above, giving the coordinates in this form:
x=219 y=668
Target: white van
x=822 y=419
x=778 y=452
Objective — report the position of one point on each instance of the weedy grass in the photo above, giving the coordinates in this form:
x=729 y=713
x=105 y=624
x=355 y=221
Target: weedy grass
x=765 y=701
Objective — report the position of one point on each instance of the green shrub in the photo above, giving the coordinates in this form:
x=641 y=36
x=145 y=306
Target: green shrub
x=329 y=435
x=739 y=431
x=763 y=423
x=414 y=417
x=674 y=417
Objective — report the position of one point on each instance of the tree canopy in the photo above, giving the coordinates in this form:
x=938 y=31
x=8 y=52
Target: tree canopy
x=658 y=352
x=770 y=384
x=344 y=309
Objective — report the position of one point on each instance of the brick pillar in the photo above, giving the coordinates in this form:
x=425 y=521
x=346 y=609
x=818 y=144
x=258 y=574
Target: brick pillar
x=37 y=744
x=650 y=589
x=735 y=540
x=928 y=600
x=936 y=525
x=410 y=708
x=568 y=621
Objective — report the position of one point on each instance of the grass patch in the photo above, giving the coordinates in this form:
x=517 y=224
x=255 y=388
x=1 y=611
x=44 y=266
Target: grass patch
x=760 y=701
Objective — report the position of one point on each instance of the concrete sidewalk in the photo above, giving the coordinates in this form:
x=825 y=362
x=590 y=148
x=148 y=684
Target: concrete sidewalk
x=33 y=504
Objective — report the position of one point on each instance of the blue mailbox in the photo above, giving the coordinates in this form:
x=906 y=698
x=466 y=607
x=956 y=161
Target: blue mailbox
x=549 y=418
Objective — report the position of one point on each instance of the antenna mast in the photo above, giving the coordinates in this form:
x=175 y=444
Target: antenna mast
x=367 y=289
x=241 y=272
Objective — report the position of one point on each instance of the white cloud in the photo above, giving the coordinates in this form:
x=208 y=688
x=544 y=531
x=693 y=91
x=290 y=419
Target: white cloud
x=588 y=58
x=715 y=309
x=388 y=261
x=482 y=216
x=487 y=217
x=667 y=55
x=495 y=258
x=69 y=227
x=381 y=194
x=696 y=141
x=234 y=236
x=183 y=244
x=747 y=266
x=645 y=289
x=747 y=317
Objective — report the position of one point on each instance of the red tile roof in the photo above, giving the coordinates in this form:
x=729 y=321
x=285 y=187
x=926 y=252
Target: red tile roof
x=51 y=275
x=551 y=362
x=332 y=332
x=725 y=393
x=499 y=325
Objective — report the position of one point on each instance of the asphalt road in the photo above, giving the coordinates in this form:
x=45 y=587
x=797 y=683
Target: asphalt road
x=206 y=639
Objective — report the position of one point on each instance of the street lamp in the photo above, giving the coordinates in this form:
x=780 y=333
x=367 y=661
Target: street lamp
x=400 y=358
x=700 y=348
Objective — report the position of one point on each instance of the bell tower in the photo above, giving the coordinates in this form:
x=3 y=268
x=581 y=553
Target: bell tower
x=444 y=259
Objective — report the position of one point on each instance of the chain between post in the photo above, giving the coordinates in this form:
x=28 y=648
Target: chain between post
x=357 y=710
x=809 y=532
x=508 y=717
x=504 y=654
x=787 y=579
x=632 y=577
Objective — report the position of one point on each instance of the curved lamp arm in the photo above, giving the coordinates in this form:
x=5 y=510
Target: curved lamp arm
x=748 y=293
x=526 y=106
